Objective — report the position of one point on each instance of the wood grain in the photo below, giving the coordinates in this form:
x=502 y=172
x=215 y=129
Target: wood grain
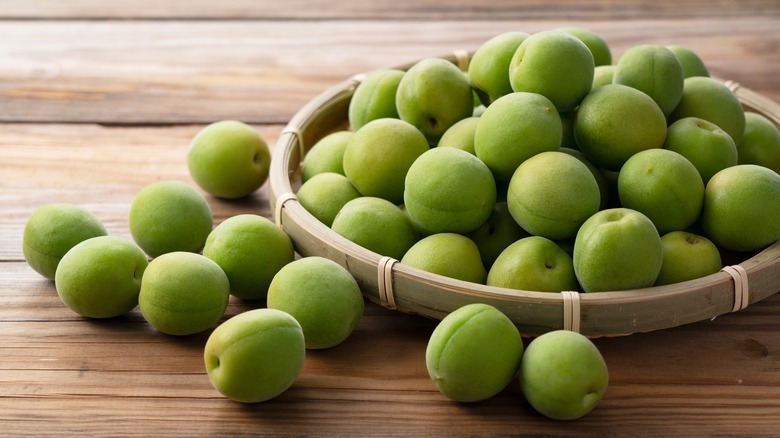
x=98 y=99
x=124 y=376
x=132 y=73
x=368 y=9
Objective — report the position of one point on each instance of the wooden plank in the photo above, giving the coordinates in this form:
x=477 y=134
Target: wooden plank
x=100 y=168
x=128 y=72
x=368 y=9
x=126 y=97
x=122 y=376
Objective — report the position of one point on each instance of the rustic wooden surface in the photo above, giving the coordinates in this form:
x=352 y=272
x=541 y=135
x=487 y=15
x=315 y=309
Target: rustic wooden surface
x=100 y=98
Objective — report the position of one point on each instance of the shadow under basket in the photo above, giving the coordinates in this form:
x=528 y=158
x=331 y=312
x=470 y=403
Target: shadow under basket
x=397 y=286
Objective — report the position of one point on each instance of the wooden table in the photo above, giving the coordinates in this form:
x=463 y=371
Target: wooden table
x=99 y=99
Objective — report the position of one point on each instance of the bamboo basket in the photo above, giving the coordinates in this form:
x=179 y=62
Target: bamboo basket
x=410 y=290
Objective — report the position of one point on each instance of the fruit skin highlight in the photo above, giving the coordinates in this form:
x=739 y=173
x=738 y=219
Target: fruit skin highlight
x=52 y=230
x=101 y=277
x=229 y=159
x=183 y=293
x=742 y=207
x=473 y=353
x=322 y=296
x=168 y=216
x=255 y=356
x=563 y=375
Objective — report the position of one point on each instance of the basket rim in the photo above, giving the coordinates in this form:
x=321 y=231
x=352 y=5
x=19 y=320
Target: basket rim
x=287 y=159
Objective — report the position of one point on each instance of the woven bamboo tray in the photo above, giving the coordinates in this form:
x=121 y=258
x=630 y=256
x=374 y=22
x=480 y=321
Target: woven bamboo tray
x=407 y=289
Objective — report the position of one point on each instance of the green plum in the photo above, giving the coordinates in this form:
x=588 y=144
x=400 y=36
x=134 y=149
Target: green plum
x=167 y=216
x=374 y=97
x=514 y=128
x=325 y=194
x=461 y=135
x=379 y=155
x=449 y=190
x=52 y=230
x=555 y=64
x=692 y=64
x=474 y=353
x=229 y=159
x=489 y=66
x=433 y=95
x=251 y=250
x=534 y=263
x=448 y=254
x=664 y=186
x=742 y=207
x=761 y=142
x=687 y=256
x=551 y=194
x=563 y=375
x=255 y=356
x=617 y=249
x=183 y=293
x=322 y=296
x=616 y=121
x=603 y=75
x=654 y=70
x=101 y=277
x=377 y=225
x=711 y=100
x=602 y=55
x=327 y=155
x=709 y=148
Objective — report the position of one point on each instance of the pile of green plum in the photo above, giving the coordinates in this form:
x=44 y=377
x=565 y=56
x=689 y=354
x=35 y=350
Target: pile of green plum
x=543 y=167
x=180 y=270
x=546 y=167
x=476 y=351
